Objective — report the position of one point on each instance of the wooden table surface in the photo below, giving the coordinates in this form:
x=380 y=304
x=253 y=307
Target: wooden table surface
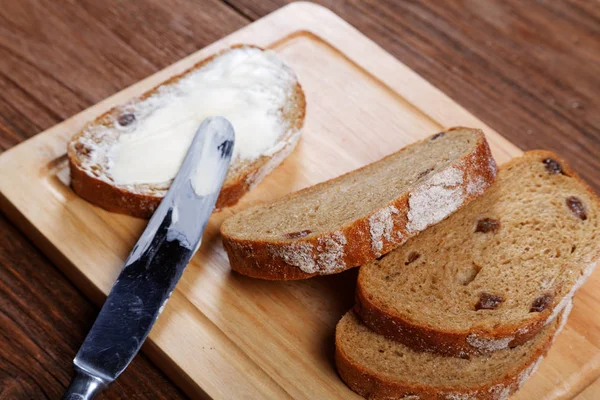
x=529 y=69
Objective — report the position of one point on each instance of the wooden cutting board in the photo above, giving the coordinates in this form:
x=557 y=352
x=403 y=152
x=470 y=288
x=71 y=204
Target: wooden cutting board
x=226 y=336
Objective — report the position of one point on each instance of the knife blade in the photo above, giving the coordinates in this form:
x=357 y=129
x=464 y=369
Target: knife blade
x=156 y=262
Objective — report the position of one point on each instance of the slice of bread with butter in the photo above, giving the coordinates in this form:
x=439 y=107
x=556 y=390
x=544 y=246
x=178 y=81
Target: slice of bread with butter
x=125 y=160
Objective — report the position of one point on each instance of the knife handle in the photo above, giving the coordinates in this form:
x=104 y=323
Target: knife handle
x=84 y=386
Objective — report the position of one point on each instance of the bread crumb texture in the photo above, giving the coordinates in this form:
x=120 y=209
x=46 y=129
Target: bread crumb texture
x=494 y=273
x=362 y=215
x=380 y=368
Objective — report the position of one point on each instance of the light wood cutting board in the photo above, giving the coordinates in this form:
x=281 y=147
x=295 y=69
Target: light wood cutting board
x=226 y=336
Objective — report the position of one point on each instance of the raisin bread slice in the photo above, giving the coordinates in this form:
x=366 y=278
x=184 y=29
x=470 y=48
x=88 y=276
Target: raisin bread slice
x=233 y=83
x=357 y=217
x=378 y=368
x=492 y=275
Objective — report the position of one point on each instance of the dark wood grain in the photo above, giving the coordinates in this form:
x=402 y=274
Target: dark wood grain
x=530 y=69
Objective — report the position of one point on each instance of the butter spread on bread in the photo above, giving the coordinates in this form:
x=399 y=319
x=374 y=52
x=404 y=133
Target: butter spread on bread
x=125 y=160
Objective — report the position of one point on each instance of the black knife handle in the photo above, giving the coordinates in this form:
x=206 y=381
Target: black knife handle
x=84 y=386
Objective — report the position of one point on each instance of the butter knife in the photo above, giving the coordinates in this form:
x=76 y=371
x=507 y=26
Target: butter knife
x=155 y=264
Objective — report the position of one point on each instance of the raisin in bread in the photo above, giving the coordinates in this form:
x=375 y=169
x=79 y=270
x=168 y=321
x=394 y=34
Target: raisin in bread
x=493 y=274
x=382 y=369
x=125 y=160
x=357 y=217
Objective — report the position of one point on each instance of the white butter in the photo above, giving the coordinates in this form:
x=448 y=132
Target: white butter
x=246 y=85
x=212 y=167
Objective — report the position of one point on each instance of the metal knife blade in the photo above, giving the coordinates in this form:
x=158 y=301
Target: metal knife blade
x=156 y=262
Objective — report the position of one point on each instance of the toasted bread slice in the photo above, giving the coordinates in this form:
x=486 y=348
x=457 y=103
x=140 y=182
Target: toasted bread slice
x=493 y=274
x=382 y=369
x=357 y=217
x=125 y=160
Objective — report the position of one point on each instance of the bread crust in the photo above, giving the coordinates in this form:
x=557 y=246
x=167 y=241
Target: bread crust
x=421 y=337
x=374 y=386
x=258 y=258
x=119 y=199
x=425 y=338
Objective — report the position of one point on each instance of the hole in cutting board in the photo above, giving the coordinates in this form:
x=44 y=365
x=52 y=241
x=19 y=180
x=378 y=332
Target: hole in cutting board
x=56 y=176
